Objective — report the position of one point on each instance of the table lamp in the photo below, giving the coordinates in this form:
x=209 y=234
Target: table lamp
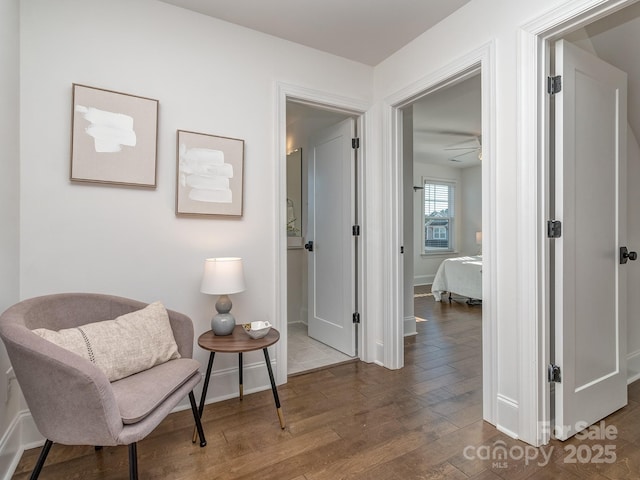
x=223 y=276
x=479 y=242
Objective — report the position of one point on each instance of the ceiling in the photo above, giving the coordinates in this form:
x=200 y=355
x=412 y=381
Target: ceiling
x=451 y=117
x=615 y=40
x=365 y=31
x=447 y=125
x=369 y=31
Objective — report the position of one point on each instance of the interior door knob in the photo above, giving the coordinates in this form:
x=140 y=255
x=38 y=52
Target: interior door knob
x=309 y=245
x=625 y=255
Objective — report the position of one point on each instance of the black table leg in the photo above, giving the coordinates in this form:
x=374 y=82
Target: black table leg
x=240 y=374
x=203 y=397
x=273 y=388
x=196 y=416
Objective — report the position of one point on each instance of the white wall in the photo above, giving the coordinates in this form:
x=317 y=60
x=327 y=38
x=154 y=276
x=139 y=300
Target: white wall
x=476 y=24
x=296 y=257
x=426 y=266
x=468 y=212
x=408 y=196
x=296 y=285
x=633 y=272
x=471 y=210
x=10 y=400
x=210 y=77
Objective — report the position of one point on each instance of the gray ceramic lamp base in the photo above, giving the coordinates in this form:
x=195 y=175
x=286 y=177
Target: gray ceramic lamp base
x=223 y=323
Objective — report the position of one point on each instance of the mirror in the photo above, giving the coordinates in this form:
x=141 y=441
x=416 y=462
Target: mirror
x=294 y=193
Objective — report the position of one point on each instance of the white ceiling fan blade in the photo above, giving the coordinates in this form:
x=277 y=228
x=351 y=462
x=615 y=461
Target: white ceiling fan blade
x=457 y=157
x=467 y=144
x=462 y=148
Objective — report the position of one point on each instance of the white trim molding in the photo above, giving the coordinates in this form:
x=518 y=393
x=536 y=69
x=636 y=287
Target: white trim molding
x=508 y=413
x=21 y=435
x=533 y=280
x=409 y=327
x=480 y=60
x=419 y=280
x=633 y=366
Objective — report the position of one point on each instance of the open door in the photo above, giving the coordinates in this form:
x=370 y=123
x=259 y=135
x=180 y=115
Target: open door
x=590 y=201
x=330 y=245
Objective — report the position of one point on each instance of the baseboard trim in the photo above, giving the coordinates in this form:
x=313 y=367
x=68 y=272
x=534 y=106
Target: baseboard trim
x=507 y=415
x=633 y=367
x=10 y=449
x=379 y=357
x=410 y=326
x=21 y=435
x=420 y=280
x=224 y=382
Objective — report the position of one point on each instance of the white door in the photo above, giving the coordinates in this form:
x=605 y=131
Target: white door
x=590 y=282
x=331 y=256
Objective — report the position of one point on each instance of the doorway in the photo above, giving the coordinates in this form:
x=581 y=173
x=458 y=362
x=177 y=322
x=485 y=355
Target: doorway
x=594 y=29
x=442 y=177
x=478 y=62
x=443 y=191
x=589 y=282
x=608 y=39
x=321 y=254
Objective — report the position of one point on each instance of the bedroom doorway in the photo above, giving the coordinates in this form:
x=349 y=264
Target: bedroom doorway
x=444 y=209
x=442 y=214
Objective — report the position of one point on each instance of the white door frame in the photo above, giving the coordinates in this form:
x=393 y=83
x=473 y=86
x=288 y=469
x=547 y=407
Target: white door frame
x=533 y=147
x=481 y=60
x=325 y=100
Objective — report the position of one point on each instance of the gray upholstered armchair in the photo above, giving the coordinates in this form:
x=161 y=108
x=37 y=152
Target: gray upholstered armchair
x=72 y=400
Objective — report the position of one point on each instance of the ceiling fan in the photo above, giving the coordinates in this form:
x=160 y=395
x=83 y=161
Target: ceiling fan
x=466 y=150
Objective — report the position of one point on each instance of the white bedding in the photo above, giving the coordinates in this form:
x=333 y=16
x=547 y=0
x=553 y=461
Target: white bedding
x=461 y=275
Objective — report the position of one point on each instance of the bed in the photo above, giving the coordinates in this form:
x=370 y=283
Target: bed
x=461 y=276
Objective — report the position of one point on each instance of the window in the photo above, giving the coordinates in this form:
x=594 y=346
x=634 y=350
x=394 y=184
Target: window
x=439 y=233
x=438 y=216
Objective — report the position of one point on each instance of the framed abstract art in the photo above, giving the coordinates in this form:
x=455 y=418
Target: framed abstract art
x=210 y=172
x=114 y=137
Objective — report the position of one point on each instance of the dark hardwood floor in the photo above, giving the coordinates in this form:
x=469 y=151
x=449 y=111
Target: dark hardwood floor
x=363 y=422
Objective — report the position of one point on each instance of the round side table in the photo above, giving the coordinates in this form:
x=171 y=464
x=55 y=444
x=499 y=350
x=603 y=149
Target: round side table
x=238 y=342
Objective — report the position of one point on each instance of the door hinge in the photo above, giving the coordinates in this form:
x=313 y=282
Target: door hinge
x=553 y=373
x=355 y=143
x=356 y=317
x=554 y=84
x=355 y=230
x=554 y=229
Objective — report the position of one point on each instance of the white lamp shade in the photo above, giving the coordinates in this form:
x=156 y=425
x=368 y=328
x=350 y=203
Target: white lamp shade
x=222 y=276
x=478 y=238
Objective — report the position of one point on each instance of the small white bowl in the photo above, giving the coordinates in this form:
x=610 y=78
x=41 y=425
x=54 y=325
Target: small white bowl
x=257 y=329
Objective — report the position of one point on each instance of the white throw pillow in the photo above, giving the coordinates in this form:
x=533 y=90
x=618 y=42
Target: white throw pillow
x=121 y=347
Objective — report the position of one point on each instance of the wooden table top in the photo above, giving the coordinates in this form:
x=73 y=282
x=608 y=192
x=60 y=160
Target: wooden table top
x=237 y=342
